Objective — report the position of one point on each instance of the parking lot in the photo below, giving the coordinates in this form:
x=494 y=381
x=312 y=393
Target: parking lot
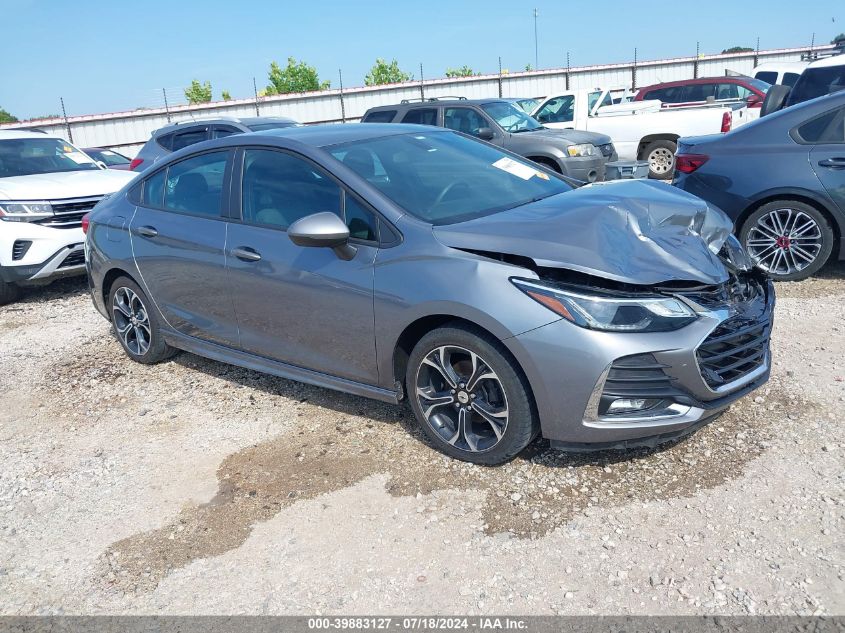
x=197 y=487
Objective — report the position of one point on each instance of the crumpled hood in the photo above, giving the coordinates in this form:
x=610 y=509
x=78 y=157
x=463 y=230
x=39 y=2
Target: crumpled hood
x=60 y=185
x=636 y=231
x=572 y=137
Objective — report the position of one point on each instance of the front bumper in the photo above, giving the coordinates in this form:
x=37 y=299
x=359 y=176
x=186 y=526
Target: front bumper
x=586 y=168
x=31 y=252
x=576 y=373
x=66 y=262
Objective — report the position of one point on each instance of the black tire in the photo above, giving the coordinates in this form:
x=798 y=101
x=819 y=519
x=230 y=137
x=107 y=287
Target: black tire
x=156 y=349
x=658 y=148
x=508 y=389
x=753 y=242
x=8 y=293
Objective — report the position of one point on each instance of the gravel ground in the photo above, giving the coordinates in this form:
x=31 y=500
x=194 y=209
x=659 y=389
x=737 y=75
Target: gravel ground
x=195 y=487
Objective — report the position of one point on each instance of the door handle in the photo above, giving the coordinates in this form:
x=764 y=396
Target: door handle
x=146 y=231
x=245 y=253
x=837 y=162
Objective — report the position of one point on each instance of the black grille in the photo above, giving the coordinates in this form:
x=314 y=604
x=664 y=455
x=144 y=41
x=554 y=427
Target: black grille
x=606 y=150
x=638 y=376
x=68 y=215
x=76 y=258
x=19 y=249
x=734 y=349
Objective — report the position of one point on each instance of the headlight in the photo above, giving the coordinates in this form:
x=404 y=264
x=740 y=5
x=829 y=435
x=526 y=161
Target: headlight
x=583 y=149
x=25 y=211
x=611 y=313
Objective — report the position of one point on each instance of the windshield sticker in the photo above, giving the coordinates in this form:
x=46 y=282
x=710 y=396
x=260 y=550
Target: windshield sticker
x=78 y=157
x=540 y=174
x=517 y=169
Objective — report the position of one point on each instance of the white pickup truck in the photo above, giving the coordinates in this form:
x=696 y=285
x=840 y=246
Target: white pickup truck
x=641 y=130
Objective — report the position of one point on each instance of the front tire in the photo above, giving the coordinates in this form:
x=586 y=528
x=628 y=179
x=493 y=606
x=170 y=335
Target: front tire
x=136 y=324
x=8 y=293
x=661 y=159
x=469 y=396
x=789 y=240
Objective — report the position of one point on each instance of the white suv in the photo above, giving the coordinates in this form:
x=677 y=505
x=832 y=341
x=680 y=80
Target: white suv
x=46 y=186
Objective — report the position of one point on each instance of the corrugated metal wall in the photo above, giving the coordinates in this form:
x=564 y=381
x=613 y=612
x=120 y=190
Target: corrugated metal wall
x=127 y=131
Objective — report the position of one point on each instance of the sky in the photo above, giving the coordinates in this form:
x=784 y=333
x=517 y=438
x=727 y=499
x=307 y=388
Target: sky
x=104 y=56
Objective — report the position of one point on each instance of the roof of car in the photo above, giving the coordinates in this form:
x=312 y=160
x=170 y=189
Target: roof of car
x=836 y=60
x=780 y=66
x=247 y=121
x=333 y=134
x=699 y=80
x=17 y=134
x=428 y=103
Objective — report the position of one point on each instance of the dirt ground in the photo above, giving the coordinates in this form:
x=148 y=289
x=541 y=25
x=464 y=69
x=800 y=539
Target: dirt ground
x=194 y=487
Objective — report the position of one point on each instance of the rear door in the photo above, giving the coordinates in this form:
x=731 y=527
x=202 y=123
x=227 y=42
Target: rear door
x=827 y=155
x=178 y=238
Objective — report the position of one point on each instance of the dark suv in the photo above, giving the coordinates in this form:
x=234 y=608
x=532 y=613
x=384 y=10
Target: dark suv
x=574 y=153
x=173 y=137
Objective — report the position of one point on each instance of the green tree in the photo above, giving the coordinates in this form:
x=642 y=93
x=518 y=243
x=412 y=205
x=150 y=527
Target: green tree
x=528 y=68
x=226 y=96
x=838 y=38
x=384 y=73
x=297 y=76
x=198 y=92
x=738 y=49
x=463 y=71
x=5 y=117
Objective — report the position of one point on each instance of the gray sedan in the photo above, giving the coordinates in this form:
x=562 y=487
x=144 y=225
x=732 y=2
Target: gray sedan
x=407 y=262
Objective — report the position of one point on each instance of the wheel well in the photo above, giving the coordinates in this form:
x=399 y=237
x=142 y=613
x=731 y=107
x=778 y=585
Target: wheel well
x=644 y=142
x=837 y=232
x=548 y=162
x=412 y=334
x=108 y=280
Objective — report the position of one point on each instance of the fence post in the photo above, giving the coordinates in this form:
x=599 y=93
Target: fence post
x=695 y=63
x=812 y=46
x=422 y=89
x=67 y=125
x=757 y=52
x=255 y=93
x=166 y=106
x=500 y=77
x=634 y=72
x=342 y=104
x=567 y=70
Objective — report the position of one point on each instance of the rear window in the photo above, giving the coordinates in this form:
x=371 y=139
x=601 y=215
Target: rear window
x=789 y=79
x=768 y=76
x=380 y=116
x=816 y=82
x=185 y=139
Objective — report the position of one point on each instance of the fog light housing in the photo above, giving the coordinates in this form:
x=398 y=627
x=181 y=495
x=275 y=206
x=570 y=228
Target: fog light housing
x=630 y=405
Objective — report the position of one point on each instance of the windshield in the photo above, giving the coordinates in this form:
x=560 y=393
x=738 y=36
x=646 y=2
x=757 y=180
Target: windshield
x=108 y=157
x=528 y=104
x=510 y=118
x=816 y=82
x=759 y=84
x=28 y=156
x=258 y=127
x=443 y=177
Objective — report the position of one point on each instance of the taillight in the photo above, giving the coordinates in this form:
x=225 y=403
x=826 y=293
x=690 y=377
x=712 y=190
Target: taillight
x=688 y=163
x=86 y=220
x=727 y=120
x=136 y=162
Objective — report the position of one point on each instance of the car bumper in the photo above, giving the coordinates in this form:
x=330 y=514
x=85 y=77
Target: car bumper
x=576 y=374
x=33 y=253
x=586 y=168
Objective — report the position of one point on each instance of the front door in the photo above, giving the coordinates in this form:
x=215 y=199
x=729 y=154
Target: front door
x=302 y=306
x=178 y=237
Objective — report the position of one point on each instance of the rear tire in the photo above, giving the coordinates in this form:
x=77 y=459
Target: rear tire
x=469 y=396
x=789 y=240
x=8 y=293
x=661 y=159
x=135 y=323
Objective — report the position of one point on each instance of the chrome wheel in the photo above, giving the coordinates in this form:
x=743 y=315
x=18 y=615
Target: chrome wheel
x=661 y=160
x=131 y=321
x=784 y=241
x=462 y=399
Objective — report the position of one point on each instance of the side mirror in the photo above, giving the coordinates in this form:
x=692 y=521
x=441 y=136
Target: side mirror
x=753 y=100
x=322 y=230
x=775 y=99
x=102 y=165
x=485 y=133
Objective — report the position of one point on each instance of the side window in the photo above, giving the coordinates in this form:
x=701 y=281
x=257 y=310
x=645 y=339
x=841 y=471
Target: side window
x=154 y=190
x=729 y=91
x=827 y=128
x=557 y=110
x=769 y=76
x=222 y=131
x=380 y=116
x=789 y=79
x=278 y=189
x=697 y=92
x=464 y=120
x=422 y=116
x=361 y=222
x=166 y=141
x=195 y=185
x=189 y=137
